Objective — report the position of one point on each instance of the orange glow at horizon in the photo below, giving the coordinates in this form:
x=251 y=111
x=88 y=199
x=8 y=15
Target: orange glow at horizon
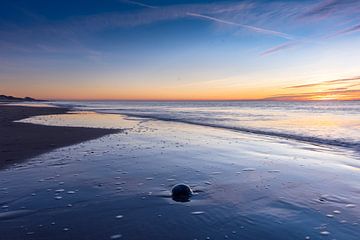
x=183 y=94
x=223 y=89
x=104 y=92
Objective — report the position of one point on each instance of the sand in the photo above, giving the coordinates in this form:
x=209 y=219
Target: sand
x=118 y=187
x=20 y=141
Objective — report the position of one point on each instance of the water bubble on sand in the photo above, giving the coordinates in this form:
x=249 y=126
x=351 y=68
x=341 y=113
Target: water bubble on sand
x=60 y=190
x=33 y=194
x=336 y=211
x=66 y=229
x=69 y=205
x=248 y=169
x=116 y=236
x=307 y=237
x=58 y=197
x=70 y=192
x=197 y=213
x=324 y=233
x=119 y=216
x=329 y=215
x=149 y=178
x=350 y=205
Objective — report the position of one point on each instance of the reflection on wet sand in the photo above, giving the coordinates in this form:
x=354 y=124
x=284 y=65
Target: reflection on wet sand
x=119 y=186
x=83 y=119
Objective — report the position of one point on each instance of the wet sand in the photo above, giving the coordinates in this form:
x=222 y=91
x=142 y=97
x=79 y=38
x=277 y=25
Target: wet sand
x=20 y=141
x=118 y=186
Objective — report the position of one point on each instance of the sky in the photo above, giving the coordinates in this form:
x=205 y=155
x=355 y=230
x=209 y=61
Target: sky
x=180 y=50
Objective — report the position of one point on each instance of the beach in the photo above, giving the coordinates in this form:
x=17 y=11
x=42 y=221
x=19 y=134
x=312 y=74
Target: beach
x=110 y=176
x=21 y=141
x=180 y=120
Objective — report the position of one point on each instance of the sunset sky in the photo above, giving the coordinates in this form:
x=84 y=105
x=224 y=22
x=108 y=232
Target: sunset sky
x=160 y=49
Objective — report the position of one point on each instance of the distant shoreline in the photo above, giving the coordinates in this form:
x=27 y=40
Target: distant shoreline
x=21 y=141
x=192 y=100
x=5 y=98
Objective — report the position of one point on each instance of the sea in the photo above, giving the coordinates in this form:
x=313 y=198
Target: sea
x=258 y=170
x=332 y=123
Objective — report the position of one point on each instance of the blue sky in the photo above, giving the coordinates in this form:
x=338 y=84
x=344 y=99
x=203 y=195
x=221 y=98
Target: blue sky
x=119 y=49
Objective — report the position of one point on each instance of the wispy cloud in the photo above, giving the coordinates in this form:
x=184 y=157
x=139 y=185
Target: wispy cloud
x=329 y=82
x=100 y=21
x=280 y=47
x=342 y=88
x=325 y=95
x=218 y=20
x=328 y=8
x=253 y=16
x=323 y=10
x=69 y=32
x=348 y=30
x=293 y=43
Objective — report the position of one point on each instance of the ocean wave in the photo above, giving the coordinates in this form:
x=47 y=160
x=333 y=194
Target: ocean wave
x=331 y=124
x=285 y=135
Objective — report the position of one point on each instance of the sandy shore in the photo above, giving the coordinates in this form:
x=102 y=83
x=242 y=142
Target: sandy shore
x=20 y=141
x=118 y=186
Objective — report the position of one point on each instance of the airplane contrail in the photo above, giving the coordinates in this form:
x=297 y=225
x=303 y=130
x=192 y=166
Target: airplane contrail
x=139 y=4
x=248 y=27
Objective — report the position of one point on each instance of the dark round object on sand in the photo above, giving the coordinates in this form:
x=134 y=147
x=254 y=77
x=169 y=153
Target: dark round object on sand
x=181 y=193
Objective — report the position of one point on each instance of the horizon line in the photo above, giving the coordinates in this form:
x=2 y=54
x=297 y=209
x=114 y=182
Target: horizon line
x=209 y=100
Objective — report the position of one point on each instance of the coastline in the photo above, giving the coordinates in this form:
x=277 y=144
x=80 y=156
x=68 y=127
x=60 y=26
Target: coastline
x=245 y=186
x=21 y=141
